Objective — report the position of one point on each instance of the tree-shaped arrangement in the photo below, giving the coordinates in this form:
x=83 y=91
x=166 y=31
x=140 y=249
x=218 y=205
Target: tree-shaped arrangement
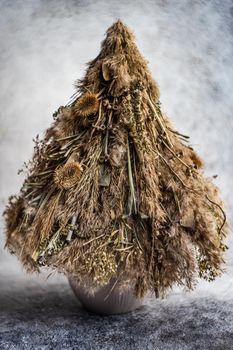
x=113 y=190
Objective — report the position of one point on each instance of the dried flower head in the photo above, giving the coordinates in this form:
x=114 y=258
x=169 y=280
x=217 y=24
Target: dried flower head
x=87 y=104
x=68 y=175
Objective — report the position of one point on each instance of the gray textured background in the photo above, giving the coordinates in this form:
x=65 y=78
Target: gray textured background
x=44 y=48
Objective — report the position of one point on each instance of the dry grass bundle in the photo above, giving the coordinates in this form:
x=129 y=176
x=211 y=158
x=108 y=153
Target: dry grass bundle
x=139 y=208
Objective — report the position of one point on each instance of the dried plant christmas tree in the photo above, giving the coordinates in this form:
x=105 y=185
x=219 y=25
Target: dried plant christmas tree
x=113 y=190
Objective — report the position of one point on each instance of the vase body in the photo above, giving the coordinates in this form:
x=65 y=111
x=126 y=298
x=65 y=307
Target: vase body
x=107 y=299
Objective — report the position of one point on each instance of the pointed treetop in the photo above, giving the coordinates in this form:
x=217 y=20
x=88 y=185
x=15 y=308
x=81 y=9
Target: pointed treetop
x=118 y=64
x=118 y=39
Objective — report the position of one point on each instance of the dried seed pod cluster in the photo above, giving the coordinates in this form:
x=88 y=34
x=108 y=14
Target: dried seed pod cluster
x=139 y=208
x=101 y=266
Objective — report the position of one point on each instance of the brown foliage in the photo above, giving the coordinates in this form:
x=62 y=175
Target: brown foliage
x=135 y=204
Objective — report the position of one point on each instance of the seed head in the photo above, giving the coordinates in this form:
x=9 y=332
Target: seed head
x=87 y=104
x=68 y=175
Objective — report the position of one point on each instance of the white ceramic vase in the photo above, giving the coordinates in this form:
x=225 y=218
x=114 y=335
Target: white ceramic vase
x=107 y=299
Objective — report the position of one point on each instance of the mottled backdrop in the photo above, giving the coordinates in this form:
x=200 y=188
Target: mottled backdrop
x=44 y=48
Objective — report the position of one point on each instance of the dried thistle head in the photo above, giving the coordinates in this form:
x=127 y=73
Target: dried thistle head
x=87 y=104
x=68 y=175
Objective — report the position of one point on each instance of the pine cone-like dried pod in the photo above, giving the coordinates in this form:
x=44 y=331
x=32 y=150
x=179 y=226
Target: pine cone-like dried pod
x=68 y=175
x=87 y=104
